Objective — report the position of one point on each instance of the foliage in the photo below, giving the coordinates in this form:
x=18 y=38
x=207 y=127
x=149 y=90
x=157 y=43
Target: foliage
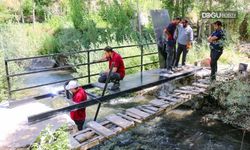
x=3 y=83
x=5 y=14
x=52 y=140
x=27 y=7
x=118 y=18
x=178 y=8
x=234 y=96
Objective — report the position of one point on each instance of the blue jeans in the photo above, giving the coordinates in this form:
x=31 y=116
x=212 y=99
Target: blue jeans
x=181 y=49
x=113 y=77
x=170 y=50
x=215 y=55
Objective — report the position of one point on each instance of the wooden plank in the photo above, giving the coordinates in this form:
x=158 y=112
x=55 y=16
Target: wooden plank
x=117 y=120
x=129 y=118
x=100 y=129
x=146 y=110
x=159 y=103
x=85 y=136
x=73 y=143
x=91 y=143
x=169 y=98
x=117 y=130
x=204 y=81
x=151 y=107
x=186 y=92
x=200 y=85
x=87 y=133
x=194 y=89
x=138 y=112
x=82 y=132
x=133 y=115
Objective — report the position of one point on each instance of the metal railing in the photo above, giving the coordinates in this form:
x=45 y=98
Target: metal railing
x=88 y=64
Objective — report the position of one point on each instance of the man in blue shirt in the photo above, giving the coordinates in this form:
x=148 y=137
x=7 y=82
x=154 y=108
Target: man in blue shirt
x=216 y=40
x=184 y=40
x=170 y=46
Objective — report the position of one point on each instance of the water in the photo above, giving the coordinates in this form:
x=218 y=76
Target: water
x=180 y=129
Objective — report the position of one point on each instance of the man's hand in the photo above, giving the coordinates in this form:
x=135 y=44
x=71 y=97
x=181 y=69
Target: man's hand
x=102 y=73
x=189 y=45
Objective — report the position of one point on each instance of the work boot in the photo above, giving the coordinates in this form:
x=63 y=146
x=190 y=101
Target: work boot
x=163 y=71
x=170 y=71
x=115 y=86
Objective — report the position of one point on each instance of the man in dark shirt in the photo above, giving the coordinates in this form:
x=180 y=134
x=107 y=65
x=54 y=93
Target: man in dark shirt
x=216 y=40
x=171 y=42
x=118 y=71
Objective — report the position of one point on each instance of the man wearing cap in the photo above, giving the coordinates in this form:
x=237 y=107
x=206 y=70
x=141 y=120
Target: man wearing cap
x=118 y=71
x=79 y=95
x=184 y=40
x=216 y=40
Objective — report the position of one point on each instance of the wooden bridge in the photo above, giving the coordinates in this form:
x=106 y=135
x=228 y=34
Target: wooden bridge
x=97 y=132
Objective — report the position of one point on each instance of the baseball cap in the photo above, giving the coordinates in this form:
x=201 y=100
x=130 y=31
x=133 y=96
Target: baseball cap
x=71 y=85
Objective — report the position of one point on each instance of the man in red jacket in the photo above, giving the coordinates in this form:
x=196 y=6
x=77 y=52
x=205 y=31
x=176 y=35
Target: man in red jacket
x=79 y=95
x=118 y=71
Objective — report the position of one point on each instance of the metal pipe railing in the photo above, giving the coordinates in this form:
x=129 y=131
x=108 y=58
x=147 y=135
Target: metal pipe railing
x=88 y=64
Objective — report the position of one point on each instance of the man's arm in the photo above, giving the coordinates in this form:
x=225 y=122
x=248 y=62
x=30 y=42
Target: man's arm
x=167 y=34
x=104 y=58
x=212 y=38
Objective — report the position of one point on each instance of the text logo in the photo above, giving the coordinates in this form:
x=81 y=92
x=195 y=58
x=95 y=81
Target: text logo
x=219 y=14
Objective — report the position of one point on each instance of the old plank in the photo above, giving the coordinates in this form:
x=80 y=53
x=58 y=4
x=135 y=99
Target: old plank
x=91 y=143
x=100 y=129
x=85 y=136
x=129 y=118
x=204 y=81
x=73 y=143
x=186 y=92
x=138 y=112
x=119 y=121
x=151 y=107
x=146 y=110
x=200 y=85
x=158 y=103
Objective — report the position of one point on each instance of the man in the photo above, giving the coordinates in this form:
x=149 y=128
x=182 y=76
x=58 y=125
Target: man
x=184 y=40
x=170 y=46
x=79 y=95
x=118 y=71
x=216 y=40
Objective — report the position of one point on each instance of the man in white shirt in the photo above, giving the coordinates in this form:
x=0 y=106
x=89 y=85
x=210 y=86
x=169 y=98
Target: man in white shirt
x=184 y=40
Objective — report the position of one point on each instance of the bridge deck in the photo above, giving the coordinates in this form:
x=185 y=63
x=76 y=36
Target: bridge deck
x=131 y=83
x=96 y=132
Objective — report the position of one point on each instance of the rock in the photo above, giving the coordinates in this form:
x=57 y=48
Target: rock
x=205 y=62
x=41 y=63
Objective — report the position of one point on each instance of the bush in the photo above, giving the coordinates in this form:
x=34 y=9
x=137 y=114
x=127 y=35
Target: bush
x=52 y=140
x=234 y=98
x=3 y=83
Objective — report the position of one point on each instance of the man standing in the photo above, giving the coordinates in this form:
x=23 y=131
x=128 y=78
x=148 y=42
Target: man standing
x=216 y=40
x=170 y=46
x=79 y=95
x=184 y=40
x=118 y=71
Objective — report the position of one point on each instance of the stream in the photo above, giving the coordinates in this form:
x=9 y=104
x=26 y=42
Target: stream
x=179 y=129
